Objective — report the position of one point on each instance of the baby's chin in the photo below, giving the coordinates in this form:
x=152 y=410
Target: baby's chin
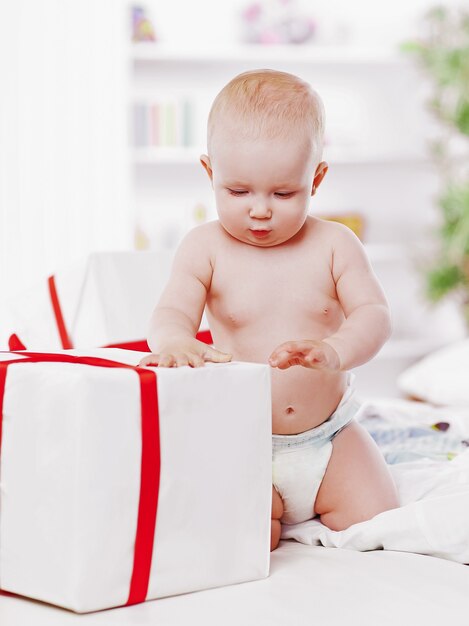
x=270 y=241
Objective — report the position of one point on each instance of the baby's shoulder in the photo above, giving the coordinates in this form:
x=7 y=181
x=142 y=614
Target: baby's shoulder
x=333 y=233
x=203 y=237
x=195 y=253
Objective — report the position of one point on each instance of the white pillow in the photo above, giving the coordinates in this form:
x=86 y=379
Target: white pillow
x=440 y=378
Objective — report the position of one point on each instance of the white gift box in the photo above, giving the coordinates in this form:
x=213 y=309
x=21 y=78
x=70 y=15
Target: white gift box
x=72 y=464
x=106 y=300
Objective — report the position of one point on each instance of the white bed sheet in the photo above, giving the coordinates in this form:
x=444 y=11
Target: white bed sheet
x=308 y=585
x=311 y=584
x=434 y=515
x=433 y=518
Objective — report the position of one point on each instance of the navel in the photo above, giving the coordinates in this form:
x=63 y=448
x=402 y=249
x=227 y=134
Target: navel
x=289 y=410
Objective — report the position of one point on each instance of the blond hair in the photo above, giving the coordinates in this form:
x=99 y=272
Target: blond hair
x=269 y=104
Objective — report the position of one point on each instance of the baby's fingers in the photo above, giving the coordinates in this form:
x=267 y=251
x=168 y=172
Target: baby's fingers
x=196 y=361
x=215 y=356
x=158 y=360
x=151 y=359
x=284 y=355
x=307 y=353
x=284 y=360
x=181 y=359
x=279 y=358
x=315 y=358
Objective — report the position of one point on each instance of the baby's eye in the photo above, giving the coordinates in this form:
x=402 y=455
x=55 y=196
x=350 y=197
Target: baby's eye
x=237 y=192
x=285 y=194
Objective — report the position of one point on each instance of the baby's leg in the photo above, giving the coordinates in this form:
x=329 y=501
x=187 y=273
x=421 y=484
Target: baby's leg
x=357 y=484
x=277 y=512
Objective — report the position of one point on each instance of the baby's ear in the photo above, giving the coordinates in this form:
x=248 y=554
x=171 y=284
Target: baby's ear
x=321 y=171
x=205 y=160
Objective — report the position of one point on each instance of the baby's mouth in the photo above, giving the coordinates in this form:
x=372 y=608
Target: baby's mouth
x=259 y=233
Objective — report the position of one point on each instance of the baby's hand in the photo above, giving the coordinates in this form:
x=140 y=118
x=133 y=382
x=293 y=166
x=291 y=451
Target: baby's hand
x=316 y=355
x=188 y=352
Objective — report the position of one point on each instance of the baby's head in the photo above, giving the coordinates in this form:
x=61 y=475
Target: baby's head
x=265 y=139
x=267 y=104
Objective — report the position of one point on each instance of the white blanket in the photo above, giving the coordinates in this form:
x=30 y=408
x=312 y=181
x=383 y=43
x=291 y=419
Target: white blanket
x=433 y=518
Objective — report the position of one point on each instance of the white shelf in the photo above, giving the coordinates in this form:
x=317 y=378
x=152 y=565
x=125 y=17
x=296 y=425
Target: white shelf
x=190 y=155
x=409 y=348
x=386 y=252
x=255 y=53
x=167 y=155
x=351 y=156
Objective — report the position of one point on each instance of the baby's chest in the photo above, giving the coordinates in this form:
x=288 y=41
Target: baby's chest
x=243 y=291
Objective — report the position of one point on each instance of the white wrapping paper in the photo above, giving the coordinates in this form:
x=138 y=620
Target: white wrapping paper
x=70 y=477
x=107 y=299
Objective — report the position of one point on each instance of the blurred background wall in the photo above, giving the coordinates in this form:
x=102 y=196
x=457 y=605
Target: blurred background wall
x=69 y=183
x=64 y=168
x=103 y=108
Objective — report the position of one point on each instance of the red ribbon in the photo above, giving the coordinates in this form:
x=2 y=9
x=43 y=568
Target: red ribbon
x=64 y=336
x=142 y=346
x=15 y=343
x=150 y=461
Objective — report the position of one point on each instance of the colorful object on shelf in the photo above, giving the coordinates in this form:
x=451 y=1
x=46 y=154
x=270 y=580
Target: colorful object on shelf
x=276 y=22
x=163 y=123
x=442 y=426
x=200 y=213
x=141 y=240
x=142 y=28
x=354 y=221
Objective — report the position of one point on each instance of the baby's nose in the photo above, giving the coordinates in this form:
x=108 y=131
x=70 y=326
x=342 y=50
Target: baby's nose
x=260 y=209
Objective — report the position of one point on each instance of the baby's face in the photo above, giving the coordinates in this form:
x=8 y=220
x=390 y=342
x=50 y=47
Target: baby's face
x=262 y=187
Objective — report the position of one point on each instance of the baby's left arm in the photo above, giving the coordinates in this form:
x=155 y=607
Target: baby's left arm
x=367 y=324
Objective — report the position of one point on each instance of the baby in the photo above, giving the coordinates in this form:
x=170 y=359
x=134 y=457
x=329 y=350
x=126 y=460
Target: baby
x=285 y=288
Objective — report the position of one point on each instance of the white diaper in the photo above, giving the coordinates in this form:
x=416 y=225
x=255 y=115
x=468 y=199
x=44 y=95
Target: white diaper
x=299 y=462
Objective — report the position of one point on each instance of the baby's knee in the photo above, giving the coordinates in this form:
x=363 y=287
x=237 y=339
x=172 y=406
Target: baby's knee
x=275 y=531
x=336 y=522
x=277 y=504
x=341 y=520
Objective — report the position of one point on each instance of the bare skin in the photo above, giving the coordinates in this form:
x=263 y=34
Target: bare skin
x=302 y=298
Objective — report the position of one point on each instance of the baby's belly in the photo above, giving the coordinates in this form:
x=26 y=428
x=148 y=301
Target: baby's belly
x=303 y=398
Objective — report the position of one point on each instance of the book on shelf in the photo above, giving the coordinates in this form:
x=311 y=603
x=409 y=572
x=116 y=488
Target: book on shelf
x=164 y=123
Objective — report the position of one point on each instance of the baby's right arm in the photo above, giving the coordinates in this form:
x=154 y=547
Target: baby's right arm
x=177 y=316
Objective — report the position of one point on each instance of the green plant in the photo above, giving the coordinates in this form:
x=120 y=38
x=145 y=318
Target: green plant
x=444 y=55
